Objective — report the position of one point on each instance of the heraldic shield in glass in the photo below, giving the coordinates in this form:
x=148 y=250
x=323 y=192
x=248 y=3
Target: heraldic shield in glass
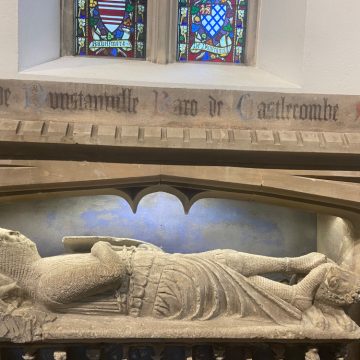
x=212 y=30
x=111 y=28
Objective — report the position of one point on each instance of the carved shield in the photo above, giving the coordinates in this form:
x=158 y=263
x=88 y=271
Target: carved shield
x=112 y=13
x=214 y=22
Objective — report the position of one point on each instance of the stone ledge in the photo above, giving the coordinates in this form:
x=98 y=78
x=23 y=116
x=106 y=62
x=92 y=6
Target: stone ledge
x=74 y=327
x=52 y=132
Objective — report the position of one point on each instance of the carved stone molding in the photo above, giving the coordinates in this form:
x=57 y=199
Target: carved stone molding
x=90 y=134
x=322 y=191
x=62 y=121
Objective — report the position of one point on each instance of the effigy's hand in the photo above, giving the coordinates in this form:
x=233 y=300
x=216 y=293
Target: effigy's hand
x=102 y=250
x=111 y=263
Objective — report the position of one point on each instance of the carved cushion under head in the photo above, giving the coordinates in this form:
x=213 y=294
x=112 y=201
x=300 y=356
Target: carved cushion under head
x=340 y=287
x=83 y=244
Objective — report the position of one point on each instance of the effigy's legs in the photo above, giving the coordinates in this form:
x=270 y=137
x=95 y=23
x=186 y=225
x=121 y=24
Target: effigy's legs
x=285 y=292
x=300 y=295
x=250 y=265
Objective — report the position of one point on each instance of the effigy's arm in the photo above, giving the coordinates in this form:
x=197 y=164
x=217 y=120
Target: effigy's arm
x=64 y=283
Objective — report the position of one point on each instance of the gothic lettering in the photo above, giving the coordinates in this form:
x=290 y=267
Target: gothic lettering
x=182 y=107
x=281 y=109
x=215 y=107
x=245 y=107
x=162 y=102
x=186 y=107
x=262 y=111
x=123 y=102
x=315 y=112
x=303 y=112
x=35 y=96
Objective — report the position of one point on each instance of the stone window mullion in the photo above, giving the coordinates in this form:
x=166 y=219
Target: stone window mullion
x=162 y=30
x=67 y=28
x=251 y=32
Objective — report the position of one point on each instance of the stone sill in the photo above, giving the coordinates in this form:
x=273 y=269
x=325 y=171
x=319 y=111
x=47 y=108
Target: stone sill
x=142 y=73
x=75 y=327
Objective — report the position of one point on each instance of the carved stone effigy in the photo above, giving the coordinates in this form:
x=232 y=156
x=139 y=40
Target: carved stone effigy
x=137 y=291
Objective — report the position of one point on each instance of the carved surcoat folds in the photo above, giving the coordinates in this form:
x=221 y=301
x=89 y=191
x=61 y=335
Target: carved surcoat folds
x=195 y=287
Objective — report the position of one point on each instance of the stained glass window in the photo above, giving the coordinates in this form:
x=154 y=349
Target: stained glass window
x=110 y=28
x=212 y=30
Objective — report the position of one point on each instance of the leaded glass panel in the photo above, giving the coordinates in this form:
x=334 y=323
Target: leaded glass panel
x=212 y=30
x=111 y=28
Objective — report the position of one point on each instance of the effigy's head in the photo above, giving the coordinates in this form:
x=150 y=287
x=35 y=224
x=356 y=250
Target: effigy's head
x=17 y=254
x=340 y=287
x=14 y=239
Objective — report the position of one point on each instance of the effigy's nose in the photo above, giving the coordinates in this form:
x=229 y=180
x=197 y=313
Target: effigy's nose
x=14 y=233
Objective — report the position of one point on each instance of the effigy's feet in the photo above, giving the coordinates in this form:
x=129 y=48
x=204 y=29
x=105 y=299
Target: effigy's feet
x=304 y=264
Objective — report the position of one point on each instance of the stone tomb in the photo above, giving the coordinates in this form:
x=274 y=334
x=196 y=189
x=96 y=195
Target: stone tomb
x=127 y=290
x=128 y=296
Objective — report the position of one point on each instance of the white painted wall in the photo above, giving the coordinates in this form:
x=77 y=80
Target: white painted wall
x=30 y=34
x=332 y=46
x=9 y=38
x=314 y=43
x=281 y=38
x=304 y=46
x=39 y=32
x=334 y=238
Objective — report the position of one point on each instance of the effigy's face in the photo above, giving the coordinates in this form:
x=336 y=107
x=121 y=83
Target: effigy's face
x=10 y=236
x=343 y=287
x=10 y=239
